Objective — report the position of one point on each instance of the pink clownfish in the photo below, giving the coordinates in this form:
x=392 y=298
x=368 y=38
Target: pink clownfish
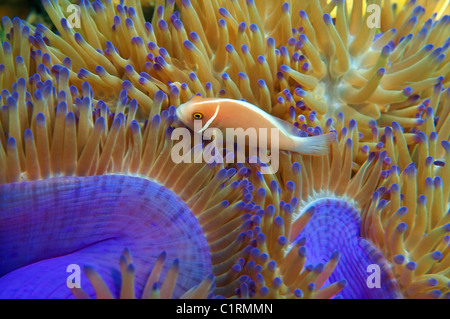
x=229 y=113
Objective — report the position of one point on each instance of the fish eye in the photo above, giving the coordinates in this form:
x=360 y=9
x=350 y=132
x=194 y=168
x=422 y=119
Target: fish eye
x=197 y=116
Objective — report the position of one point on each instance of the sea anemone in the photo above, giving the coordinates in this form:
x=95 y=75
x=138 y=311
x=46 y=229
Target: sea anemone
x=309 y=232
x=408 y=218
x=153 y=289
x=128 y=161
x=29 y=220
x=273 y=55
x=87 y=116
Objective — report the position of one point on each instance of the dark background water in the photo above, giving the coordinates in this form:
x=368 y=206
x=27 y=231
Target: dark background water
x=20 y=8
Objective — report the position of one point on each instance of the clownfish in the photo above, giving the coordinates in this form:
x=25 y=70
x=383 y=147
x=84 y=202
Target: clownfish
x=228 y=113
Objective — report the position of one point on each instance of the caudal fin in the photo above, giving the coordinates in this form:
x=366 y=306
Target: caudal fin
x=314 y=145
